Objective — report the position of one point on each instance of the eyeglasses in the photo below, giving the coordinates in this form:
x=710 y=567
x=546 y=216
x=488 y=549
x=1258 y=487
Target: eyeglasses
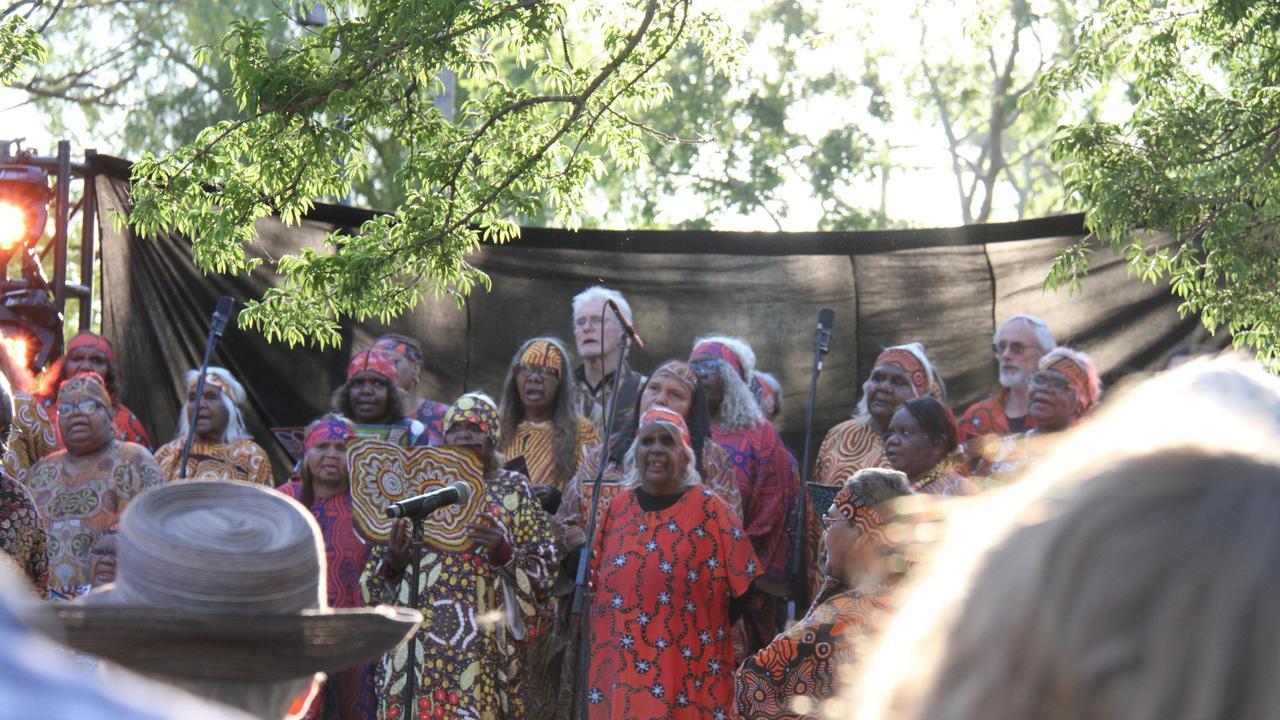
x=828 y=521
x=1017 y=349
x=537 y=371
x=706 y=367
x=84 y=407
x=1042 y=380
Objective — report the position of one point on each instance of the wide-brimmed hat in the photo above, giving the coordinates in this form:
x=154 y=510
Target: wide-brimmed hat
x=224 y=580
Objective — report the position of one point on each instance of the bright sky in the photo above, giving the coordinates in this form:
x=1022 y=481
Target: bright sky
x=923 y=192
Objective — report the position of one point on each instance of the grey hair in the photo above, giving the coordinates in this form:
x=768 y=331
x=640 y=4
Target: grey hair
x=1085 y=362
x=691 y=476
x=916 y=349
x=602 y=293
x=740 y=347
x=1039 y=328
x=235 y=429
x=738 y=409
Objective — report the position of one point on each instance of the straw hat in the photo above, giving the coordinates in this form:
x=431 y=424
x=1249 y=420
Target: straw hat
x=224 y=580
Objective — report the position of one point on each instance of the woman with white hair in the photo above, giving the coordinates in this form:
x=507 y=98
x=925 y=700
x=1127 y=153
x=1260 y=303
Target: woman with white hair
x=900 y=373
x=669 y=563
x=1063 y=391
x=223 y=448
x=768 y=479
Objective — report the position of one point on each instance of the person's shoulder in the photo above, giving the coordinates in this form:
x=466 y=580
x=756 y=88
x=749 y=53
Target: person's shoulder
x=292 y=488
x=133 y=451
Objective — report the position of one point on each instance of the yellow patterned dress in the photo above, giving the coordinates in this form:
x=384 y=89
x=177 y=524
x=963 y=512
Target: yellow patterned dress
x=79 y=498
x=33 y=435
x=468 y=655
x=851 y=446
x=241 y=460
x=534 y=442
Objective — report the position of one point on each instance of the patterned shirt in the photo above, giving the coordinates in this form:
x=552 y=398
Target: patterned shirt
x=801 y=667
x=241 y=460
x=593 y=401
x=80 y=497
x=534 y=441
x=660 y=629
x=431 y=414
x=469 y=662
x=22 y=535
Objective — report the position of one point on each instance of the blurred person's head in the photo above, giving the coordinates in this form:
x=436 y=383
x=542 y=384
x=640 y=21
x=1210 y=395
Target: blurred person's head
x=857 y=544
x=220 y=590
x=724 y=365
x=85 y=415
x=1131 y=575
x=370 y=395
x=102 y=558
x=407 y=353
x=899 y=373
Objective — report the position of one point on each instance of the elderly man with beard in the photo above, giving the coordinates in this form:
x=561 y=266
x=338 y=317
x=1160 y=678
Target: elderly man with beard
x=598 y=337
x=1018 y=346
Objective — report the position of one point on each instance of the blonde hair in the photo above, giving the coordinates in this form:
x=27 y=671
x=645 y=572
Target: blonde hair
x=1120 y=580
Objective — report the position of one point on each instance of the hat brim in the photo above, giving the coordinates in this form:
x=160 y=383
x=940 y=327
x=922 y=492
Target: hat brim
x=180 y=643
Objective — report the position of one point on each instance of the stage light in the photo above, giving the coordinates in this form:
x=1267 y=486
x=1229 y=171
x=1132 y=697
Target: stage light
x=13 y=225
x=24 y=206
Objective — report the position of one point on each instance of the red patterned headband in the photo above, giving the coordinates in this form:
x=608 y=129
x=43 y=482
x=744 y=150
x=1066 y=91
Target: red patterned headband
x=667 y=416
x=761 y=389
x=330 y=427
x=398 y=347
x=681 y=372
x=907 y=362
x=721 y=351
x=93 y=341
x=853 y=508
x=374 y=361
x=1075 y=375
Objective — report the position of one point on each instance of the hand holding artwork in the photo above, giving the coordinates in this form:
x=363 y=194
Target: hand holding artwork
x=492 y=536
x=398 y=546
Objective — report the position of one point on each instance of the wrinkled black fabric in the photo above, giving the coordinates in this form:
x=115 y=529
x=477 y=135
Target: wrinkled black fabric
x=947 y=288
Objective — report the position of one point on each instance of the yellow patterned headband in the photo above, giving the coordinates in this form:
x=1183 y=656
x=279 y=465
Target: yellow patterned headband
x=541 y=353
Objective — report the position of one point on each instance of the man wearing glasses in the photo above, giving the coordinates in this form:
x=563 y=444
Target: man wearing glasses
x=1018 y=346
x=598 y=335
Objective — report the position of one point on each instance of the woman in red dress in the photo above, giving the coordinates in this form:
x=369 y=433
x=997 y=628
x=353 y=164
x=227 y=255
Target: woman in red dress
x=670 y=560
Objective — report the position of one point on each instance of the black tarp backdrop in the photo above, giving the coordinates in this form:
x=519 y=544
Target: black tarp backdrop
x=946 y=288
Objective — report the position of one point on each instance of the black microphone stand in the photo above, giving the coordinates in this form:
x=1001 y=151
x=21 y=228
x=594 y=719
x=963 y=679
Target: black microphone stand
x=221 y=314
x=580 y=592
x=821 y=345
x=415 y=559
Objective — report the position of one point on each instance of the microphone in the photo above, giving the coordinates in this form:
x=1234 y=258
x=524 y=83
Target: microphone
x=826 y=318
x=626 y=324
x=455 y=493
x=222 y=314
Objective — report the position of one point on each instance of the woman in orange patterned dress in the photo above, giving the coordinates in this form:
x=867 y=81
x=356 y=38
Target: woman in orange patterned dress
x=791 y=677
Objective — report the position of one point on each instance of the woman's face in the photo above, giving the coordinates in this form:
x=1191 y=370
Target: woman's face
x=213 y=416
x=1053 y=401
x=908 y=448
x=668 y=392
x=660 y=459
x=407 y=372
x=538 y=387
x=102 y=560
x=465 y=433
x=840 y=538
x=327 y=465
x=887 y=389
x=85 y=426
x=369 y=397
x=708 y=369
x=86 y=359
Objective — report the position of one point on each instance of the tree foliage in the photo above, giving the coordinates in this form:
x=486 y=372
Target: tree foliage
x=1195 y=159
x=309 y=107
x=20 y=45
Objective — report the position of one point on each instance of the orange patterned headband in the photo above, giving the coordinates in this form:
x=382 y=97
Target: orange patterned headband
x=216 y=381
x=908 y=363
x=541 y=353
x=1075 y=375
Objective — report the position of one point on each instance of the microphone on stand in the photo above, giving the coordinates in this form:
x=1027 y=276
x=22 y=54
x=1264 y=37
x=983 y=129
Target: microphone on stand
x=455 y=493
x=826 y=318
x=217 y=326
x=798 y=564
x=626 y=324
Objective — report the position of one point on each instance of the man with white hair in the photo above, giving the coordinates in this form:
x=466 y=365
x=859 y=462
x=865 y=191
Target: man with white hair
x=598 y=335
x=1018 y=346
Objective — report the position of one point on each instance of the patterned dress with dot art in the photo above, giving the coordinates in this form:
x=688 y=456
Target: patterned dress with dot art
x=660 y=632
x=467 y=654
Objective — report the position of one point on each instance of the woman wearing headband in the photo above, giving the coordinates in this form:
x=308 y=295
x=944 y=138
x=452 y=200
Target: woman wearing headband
x=90 y=352
x=223 y=448
x=768 y=478
x=371 y=399
x=790 y=678
x=82 y=490
x=324 y=488
x=540 y=421
x=479 y=604
x=409 y=363
x=669 y=562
